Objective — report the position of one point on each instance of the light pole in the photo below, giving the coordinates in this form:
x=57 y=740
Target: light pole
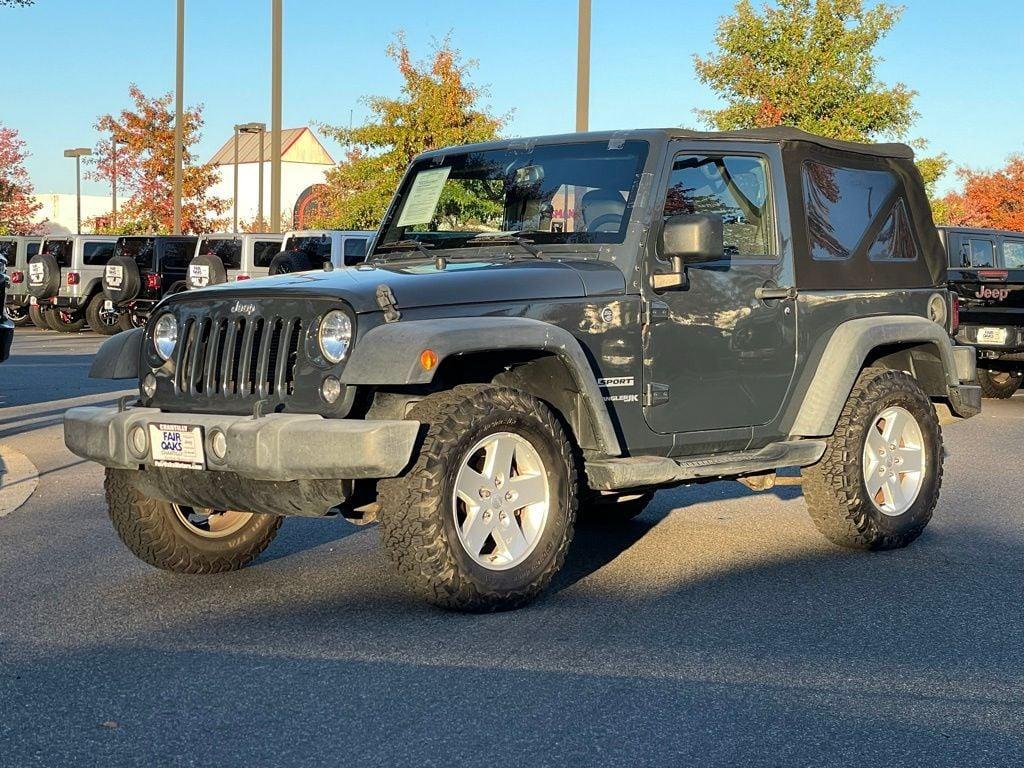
x=78 y=153
x=260 y=130
x=275 y=117
x=113 y=178
x=179 y=133
x=583 y=68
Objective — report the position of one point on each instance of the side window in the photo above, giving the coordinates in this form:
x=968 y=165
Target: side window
x=895 y=241
x=842 y=204
x=1013 y=254
x=733 y=187
x=976 y=253
x=95 y=254
x=354 y=250
x=264 y=251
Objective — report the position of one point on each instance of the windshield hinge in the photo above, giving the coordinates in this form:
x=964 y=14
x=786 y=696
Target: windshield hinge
x=655 y=312
x=655 y=394
x=386 y=301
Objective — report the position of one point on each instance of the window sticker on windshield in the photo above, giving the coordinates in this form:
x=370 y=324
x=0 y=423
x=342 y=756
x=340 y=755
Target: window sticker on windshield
x=423 y=197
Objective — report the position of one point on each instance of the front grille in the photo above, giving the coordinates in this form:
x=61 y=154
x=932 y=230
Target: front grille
x=234 y=357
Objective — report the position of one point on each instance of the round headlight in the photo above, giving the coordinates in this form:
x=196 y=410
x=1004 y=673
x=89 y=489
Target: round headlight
x=335 y=335
x=165 y=335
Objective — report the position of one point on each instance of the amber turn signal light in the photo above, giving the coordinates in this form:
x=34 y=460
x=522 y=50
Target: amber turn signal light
x=428 y=359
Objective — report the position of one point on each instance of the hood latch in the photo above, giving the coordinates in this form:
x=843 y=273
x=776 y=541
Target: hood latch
x=386 y=301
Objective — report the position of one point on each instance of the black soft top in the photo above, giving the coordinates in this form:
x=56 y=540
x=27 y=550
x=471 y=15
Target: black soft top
x=778 y=135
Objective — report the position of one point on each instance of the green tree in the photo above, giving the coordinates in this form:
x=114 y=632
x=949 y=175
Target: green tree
x=810 y=64
x=438 y=106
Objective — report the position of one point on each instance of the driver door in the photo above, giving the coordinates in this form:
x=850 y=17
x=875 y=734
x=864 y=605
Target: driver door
x=719 y=360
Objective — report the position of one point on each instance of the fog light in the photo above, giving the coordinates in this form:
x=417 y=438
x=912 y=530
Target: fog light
x=330 y=390
x=137 y=436
x=219 y=444
x=149 y=385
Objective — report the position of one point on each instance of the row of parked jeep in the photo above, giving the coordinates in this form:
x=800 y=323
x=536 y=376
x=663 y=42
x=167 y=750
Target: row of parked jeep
x=110 y=283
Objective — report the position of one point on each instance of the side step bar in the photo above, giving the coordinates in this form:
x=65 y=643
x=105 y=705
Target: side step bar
x=640 y=471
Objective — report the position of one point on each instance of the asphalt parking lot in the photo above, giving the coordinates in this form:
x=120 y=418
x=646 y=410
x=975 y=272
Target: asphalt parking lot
x=718 y=629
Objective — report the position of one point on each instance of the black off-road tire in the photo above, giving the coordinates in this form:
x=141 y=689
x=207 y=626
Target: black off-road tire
x=38 y=317
x=834 y=490
x=19 y=315
x=100 y=321
x=66 y=322
x=597 y=509
x=287 y=262
x=998 y=385
x=154 y=534
x=127 y=319
x=416 y=519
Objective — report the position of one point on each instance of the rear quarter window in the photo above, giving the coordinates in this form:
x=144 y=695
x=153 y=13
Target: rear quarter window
x=97 y=254
x=175 y=255
x=264 y=251
x=1013 y=254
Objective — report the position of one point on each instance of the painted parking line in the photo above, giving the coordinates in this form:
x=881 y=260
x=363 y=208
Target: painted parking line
x=18 y=479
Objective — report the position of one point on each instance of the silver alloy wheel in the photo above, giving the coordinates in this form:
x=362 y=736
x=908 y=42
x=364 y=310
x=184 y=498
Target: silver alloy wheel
x=894 y=460
x=501 y=501
x=211 y=523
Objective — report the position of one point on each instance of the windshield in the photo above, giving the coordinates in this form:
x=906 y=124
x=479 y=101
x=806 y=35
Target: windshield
x=229 y=251
x=552 y=194
x=139 y=249
x=314 y=246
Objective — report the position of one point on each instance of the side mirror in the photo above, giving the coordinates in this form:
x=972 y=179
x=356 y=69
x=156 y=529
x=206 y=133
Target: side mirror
x=689 y=239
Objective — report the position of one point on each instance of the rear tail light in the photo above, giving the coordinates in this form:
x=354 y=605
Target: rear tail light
x=241 y=276
x=152 y=281
x=17 y=277
x=74 y=278
x=954 y=315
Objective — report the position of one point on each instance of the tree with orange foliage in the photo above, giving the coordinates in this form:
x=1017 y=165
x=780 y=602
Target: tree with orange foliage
x=145 y=169
x=989 y=199
x=17 y=206
x=438 y=107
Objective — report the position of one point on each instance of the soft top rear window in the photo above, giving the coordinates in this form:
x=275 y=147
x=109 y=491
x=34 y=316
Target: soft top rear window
x=227 y=250
x=139 y=249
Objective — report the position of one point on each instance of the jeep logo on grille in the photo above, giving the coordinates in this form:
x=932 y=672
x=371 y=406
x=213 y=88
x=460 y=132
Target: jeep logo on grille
x=245 y=309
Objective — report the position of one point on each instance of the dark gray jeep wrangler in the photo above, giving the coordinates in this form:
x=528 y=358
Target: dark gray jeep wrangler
x=546 y=326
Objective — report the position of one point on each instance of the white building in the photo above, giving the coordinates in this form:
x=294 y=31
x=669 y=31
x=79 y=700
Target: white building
x=58 y=212
x=304 y=164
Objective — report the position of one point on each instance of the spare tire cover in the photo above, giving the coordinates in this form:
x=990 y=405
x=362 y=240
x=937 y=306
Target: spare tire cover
x=43 y=276
x=206 y=269
x=290 y=261
x=121 y=279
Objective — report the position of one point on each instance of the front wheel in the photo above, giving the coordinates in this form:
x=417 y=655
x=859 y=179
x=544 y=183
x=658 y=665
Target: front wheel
x=878 y=481
x=483 y=519
x=998 y=384
x=185 y=539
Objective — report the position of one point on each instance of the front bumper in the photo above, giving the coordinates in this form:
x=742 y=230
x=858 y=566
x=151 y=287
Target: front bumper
x=276 y=447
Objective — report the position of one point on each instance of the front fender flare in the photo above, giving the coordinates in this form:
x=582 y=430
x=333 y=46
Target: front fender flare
x=119 y=356
x=390 y=355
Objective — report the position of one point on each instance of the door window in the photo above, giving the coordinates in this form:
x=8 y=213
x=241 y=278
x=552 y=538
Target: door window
x=1013 y=254
x=95 y=254
x=735 y=188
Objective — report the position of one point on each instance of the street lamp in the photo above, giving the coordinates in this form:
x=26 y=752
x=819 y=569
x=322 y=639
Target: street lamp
x=179 y=109
x=583 y=68
x=78 y=153
x=259 y=129
x=275 y=117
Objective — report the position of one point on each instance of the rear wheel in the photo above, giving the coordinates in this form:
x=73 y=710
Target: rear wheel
x=878 y=481
x=483 y=519
x=185 y=539
x=19 y=314
x=998 y=384
x=38 y=317
x=63 y=321
x=127 y=319
x=101 y=320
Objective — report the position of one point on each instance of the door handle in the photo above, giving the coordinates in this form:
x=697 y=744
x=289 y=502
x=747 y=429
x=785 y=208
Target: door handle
x=764 y=293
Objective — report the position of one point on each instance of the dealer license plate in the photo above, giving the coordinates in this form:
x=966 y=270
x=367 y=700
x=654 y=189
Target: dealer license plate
x=177 y=445
x=36 y=273
x=200 y=275
x=991 y=335
x=114 y=275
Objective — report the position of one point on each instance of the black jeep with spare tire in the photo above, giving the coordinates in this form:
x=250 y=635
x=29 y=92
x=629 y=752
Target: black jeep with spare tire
x=143 y=270
x=986 y=276
x=550 y=327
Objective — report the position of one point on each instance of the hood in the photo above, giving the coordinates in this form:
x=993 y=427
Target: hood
x=421 y=284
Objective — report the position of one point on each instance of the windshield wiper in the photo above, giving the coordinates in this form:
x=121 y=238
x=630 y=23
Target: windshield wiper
x=406 y=245
x=506 y=238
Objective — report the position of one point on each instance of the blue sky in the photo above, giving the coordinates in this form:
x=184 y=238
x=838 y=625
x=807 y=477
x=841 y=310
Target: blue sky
x=67 y=61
